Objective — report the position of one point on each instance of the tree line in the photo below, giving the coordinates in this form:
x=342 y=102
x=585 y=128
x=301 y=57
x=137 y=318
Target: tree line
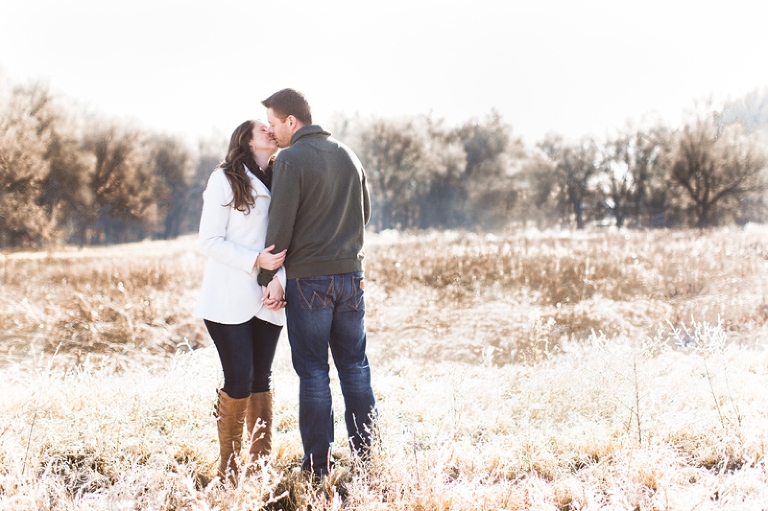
x=70 y=177
x=706 y=173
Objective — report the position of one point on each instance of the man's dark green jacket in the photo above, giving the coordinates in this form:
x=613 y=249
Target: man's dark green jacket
x=320 y=206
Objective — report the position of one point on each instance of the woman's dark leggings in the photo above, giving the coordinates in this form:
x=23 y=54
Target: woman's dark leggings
x=246 y=352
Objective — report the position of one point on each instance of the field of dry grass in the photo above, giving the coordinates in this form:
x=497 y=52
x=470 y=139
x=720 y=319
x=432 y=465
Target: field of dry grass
x=530 y=370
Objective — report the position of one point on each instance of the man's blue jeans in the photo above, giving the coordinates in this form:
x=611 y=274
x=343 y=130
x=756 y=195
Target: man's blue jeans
x=329 y=312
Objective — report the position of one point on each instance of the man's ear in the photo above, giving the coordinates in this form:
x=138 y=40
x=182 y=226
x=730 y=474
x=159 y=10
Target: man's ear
x=291 y=121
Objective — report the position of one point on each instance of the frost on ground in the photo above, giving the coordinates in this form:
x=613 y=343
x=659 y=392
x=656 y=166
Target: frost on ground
x=511 y=372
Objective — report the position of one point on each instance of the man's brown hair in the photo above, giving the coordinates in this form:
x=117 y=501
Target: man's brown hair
x=290 y=102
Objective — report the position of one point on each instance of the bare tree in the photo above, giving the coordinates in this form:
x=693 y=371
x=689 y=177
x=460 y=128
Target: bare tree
x=24 y=134
x=446 y=197
x=122 y=186
x=716 y=167
x=535 y=186
x=171 y=165
x=493 y=155
x=575 y=168
x=398 y=171
x=633 y=163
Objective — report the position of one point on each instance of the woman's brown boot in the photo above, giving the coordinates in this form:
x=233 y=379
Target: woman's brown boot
x=259 y=424
x=230 y=415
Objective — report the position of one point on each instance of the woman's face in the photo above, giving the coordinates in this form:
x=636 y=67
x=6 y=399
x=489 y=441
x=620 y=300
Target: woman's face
x=261 y=141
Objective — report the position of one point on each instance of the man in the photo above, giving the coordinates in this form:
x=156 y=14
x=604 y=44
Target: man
x=319 y=209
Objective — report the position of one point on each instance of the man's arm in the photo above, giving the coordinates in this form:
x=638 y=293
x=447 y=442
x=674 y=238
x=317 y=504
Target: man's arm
x=366 y=199
x=282 y=213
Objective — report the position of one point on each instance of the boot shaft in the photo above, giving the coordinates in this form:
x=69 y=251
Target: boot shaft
x=259 y=424
x=230 y=416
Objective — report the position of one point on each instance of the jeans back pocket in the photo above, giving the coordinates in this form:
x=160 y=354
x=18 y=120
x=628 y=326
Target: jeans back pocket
x=315 y=293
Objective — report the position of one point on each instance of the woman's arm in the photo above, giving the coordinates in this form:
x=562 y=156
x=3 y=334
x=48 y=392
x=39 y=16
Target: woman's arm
x=213 y=227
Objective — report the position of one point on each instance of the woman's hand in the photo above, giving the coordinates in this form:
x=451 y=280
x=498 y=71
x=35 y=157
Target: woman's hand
x=269 y=261
x=273 y=295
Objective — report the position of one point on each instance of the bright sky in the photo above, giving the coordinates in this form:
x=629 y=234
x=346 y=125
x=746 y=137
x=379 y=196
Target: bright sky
x=195 y=68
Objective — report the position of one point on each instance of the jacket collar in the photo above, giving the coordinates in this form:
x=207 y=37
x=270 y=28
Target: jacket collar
x=257 y=186
x=308 y=131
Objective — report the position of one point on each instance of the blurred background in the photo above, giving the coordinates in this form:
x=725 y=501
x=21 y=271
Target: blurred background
x=481 y=115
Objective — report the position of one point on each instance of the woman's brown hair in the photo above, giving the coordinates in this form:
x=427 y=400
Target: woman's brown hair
x=238 y=157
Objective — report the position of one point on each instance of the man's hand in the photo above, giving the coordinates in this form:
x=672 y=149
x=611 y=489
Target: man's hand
x=269 y=261
x=273 y=295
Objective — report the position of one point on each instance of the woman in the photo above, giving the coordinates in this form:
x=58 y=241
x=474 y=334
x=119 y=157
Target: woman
x=233 y=228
